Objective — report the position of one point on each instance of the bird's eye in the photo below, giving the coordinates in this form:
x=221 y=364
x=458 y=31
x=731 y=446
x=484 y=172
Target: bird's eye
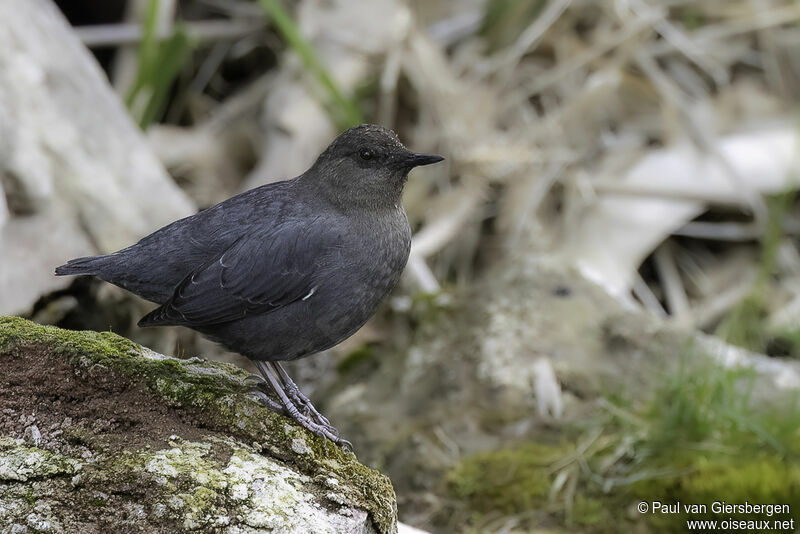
x=366 y=154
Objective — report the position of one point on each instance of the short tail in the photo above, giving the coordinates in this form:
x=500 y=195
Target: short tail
x=87 y=265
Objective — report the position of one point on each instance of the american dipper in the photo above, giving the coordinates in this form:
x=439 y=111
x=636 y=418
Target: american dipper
x=284 y=270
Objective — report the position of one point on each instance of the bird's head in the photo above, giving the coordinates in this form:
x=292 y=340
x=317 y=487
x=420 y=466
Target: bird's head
x=366 y=165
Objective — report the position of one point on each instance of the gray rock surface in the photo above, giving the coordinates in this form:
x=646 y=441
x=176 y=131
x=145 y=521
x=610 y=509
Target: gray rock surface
x=98 y=434
x=76 y=175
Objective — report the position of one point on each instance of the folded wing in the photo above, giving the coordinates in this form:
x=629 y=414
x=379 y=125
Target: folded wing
x=258 y=273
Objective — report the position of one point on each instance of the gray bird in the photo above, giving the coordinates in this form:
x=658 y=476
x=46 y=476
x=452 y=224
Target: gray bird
x=284 y=270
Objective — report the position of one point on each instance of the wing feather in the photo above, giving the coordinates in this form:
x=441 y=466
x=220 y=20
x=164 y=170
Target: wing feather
x=258 y=273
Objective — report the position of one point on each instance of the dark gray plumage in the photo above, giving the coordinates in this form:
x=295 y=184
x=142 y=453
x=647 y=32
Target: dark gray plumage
x=284 y=270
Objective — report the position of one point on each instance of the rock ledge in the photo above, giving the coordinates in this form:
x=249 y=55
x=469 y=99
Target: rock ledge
x=98 y=433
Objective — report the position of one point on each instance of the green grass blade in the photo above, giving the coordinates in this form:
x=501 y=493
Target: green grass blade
x=343 y=111
x=172 y=56
x=159 y=63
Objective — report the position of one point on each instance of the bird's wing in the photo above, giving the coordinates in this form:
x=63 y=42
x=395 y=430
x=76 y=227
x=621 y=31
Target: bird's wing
x=259 y=272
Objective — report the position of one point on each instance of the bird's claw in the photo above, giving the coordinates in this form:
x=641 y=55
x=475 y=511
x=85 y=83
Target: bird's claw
x=257 y=380
x=326 y=432
x=307 y=420
x=305 y=405
x=295 y=405
x=268 y=402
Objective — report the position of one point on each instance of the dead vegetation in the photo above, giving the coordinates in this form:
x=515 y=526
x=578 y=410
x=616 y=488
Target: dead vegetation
x=635 y=139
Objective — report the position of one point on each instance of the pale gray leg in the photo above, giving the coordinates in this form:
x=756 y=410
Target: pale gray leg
x=298 y=397
x=268 y=402
x=291 y=410
x=262 y=397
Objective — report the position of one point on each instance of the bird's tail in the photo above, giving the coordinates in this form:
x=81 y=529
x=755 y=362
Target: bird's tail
x=87 y=265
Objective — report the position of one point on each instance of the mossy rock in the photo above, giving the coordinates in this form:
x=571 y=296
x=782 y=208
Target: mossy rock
x=101 y=434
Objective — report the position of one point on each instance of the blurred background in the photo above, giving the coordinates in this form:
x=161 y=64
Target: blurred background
x=602 y=304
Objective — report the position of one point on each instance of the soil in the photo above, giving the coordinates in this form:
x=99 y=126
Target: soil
x=81 y=411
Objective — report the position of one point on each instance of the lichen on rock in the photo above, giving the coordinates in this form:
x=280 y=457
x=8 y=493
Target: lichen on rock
x=133 y=440
x=21 y=463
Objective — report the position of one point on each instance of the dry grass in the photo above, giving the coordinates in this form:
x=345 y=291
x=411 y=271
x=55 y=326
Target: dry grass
x=636 y=139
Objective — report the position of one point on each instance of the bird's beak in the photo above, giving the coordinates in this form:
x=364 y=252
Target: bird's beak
x=416 y=160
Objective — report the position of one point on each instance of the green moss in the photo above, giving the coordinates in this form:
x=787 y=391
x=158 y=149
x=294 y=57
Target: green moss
x=372 y=491
x=356 y=358
x=78 y=435
x=202 y=503
x=219 y=389
x=519 y=482
x=169 y=377
x=700 y=438
x=765 y=479
x=591 y=511
x=508 y=481
x=707 y=440
x=185 y=470
x=30 y=497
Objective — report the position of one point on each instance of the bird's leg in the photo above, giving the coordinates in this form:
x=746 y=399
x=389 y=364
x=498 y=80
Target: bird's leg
x=292 y=411
x=292 y=391
x=269 y=402
x=256 y=380
x=262 y=397
x=298 y=397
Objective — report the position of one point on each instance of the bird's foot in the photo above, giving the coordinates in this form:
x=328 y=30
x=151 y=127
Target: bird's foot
x=326 y=432
x=256 y=380
x=297 y=397
x=265 y=400
x=294 y=404
x=268 y=402
x=305 y=405
x=320 y=425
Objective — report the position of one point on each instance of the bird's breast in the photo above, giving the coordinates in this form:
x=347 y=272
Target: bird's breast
x=352 y=279
x=380 y=248
x=370 y=261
